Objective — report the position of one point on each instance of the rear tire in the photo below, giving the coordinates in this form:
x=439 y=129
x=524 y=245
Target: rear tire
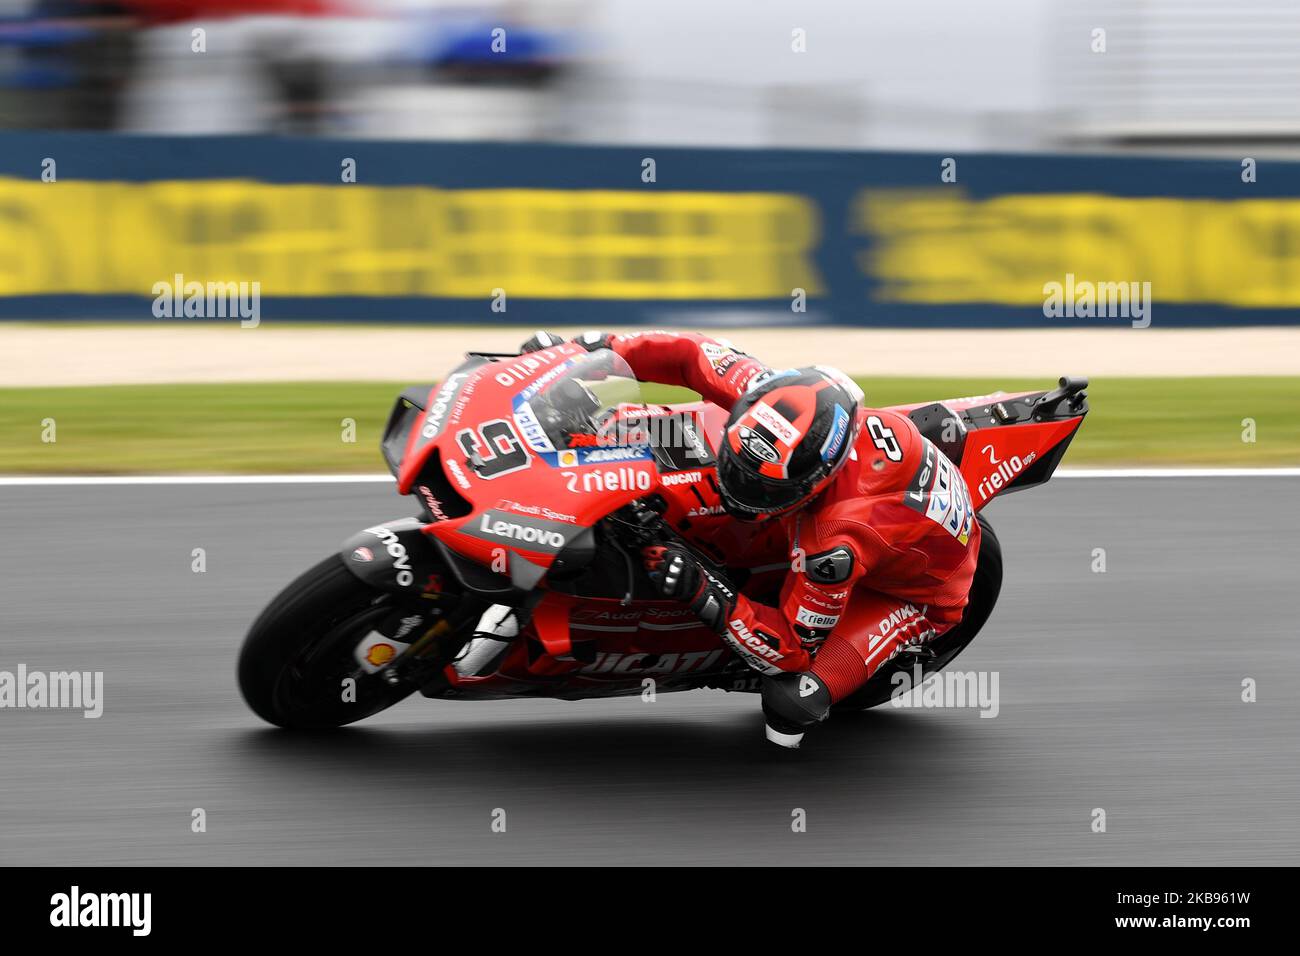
x=300 y=648
x=985 y=587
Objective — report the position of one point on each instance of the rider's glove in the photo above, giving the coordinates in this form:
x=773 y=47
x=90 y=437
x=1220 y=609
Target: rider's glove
x=593 y=340
x=680 y=576
x=540 y=340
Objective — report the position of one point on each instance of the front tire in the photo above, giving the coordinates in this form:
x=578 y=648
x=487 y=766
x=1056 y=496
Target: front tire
x=299 y=650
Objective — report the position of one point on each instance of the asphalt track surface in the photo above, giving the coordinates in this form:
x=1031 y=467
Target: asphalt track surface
x=1119 y=690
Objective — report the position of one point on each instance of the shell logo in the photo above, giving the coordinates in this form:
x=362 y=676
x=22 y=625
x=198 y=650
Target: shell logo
x=381 y=654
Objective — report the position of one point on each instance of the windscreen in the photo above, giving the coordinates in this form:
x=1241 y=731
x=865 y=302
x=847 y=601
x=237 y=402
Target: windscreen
x=580 y=405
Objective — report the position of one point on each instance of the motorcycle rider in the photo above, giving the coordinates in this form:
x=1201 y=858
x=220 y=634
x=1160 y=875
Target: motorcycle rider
x=882 y=536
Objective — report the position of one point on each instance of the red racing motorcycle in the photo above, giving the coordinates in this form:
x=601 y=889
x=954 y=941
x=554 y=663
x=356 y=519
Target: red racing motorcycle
x=538 y=479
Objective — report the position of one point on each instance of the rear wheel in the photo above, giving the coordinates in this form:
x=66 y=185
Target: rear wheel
x=298 y=652
x=984 y=591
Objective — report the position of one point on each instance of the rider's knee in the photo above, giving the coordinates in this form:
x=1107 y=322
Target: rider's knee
x=794 y=702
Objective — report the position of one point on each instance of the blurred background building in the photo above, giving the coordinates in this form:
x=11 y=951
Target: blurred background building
x=1020 y=75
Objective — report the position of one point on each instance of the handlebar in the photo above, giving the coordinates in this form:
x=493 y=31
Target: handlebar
x=640 y=524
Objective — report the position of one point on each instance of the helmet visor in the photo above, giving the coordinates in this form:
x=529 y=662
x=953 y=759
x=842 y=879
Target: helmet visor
x=749 y=495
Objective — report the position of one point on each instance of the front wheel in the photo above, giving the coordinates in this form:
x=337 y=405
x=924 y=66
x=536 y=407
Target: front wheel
x=299 y=651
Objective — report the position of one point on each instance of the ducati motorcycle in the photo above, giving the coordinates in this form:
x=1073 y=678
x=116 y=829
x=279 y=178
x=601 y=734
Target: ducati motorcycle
x=537 y=480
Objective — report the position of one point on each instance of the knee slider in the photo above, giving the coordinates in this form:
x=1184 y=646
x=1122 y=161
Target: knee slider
x=795 y=702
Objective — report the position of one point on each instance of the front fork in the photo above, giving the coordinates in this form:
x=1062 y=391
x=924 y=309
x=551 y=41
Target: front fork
x=438 y=602
x=416 y=639
x=409 y=645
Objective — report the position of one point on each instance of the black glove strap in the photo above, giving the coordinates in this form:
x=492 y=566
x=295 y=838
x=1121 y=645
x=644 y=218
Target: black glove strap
x=593 y=340
x=714 y=602
x=540 y=340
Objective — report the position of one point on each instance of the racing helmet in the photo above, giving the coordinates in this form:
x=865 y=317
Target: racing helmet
x=786 y=438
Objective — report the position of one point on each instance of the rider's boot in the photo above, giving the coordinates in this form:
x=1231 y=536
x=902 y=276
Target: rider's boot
x=483 y=653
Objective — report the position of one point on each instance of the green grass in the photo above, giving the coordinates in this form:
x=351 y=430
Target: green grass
x=268 y=428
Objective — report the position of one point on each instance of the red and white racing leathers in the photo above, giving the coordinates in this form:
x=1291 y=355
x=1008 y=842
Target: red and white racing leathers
x=884 y=557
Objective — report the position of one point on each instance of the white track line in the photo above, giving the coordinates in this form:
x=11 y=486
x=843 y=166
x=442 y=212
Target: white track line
x=24 y=480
